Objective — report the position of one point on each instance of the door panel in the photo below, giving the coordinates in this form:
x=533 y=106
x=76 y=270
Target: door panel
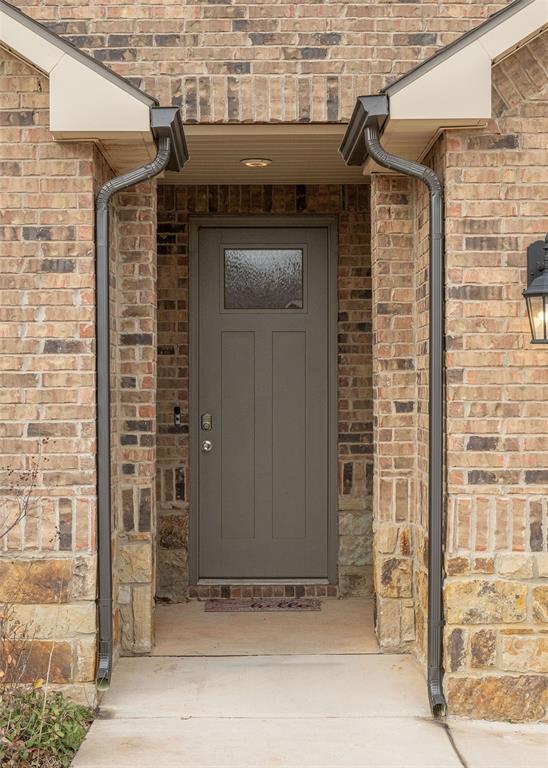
x=263 y=377
x=238 y=416
x=289 y=434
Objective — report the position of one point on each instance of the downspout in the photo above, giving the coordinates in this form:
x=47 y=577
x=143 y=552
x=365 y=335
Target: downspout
x=364 y=130
x=171 y=153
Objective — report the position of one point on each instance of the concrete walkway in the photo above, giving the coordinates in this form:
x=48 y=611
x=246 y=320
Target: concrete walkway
x=312 y=710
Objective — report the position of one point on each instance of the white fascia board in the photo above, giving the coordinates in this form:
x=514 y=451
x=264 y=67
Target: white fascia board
x=516 y=29
x=82 y=102
x=26 y=44
x=458 y=87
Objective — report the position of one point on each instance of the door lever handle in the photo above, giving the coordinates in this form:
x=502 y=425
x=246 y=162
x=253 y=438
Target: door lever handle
x=207 y=446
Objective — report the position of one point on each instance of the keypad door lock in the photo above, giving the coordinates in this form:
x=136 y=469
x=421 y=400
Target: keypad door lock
x=207 y=422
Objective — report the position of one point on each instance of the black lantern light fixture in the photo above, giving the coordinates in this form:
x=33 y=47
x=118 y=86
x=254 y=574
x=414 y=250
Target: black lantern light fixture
x=536 y=294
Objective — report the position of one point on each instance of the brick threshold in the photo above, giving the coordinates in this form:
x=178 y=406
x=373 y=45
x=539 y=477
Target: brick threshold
x=260 y=582
x=235 y=590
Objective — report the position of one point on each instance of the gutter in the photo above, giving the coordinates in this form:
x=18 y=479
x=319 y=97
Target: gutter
x=171 y=154
x=362 y=139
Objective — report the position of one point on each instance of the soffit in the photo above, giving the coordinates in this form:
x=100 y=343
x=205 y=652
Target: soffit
x=414 y=139
x=300 y=154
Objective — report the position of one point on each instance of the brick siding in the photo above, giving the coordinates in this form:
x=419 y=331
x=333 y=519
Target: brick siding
x=275 y=61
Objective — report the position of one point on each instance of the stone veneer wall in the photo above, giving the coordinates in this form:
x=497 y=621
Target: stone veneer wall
x=47 y=561
x=351 y=204
x=497 y=399
x=274 y=61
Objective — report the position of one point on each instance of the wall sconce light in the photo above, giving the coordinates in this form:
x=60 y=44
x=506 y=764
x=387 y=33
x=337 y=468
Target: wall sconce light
x=536 y=294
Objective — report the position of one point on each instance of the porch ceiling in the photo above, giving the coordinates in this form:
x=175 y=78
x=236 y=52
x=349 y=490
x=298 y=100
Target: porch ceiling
x=300 y=154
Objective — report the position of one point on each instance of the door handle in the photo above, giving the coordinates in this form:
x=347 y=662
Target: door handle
x=207 y=446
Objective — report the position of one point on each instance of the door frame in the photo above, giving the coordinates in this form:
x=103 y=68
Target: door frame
x=196 y=223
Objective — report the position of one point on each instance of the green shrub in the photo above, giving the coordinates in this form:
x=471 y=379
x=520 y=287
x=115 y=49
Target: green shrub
x=39 y=730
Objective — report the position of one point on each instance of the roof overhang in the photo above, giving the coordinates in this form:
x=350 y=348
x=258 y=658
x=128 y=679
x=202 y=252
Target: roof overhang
x=452 y=89
x=87 y=101
x=300 y=154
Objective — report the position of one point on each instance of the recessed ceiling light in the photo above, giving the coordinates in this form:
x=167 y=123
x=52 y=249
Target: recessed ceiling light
x=256 y=162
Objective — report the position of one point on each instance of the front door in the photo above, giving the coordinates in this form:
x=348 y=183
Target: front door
x=262 y=402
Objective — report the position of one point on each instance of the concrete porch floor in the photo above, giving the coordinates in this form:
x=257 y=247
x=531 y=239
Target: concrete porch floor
x=307 y=690
x=342 y=626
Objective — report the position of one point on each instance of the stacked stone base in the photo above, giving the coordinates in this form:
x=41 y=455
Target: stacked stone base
x=52 y=625
x=515 y=698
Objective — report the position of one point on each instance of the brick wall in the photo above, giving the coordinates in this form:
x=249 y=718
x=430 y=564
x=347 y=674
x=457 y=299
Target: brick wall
x=48 y=388
x=274 y=61
x=47 y=410
x=497 y=395
x=351 y=204
x=282 y=61
x=496 y=656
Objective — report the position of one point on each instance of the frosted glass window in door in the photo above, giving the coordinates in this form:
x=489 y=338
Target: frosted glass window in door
x=266 y=278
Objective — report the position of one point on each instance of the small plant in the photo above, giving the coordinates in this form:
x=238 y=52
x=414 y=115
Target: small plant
x=20 y=485
x=16 y=637
x=39 y=730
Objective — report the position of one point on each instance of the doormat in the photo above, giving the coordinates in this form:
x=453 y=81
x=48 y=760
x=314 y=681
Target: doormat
x=233 y=605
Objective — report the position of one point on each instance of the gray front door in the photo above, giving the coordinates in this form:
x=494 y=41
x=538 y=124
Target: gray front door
x=262 y=402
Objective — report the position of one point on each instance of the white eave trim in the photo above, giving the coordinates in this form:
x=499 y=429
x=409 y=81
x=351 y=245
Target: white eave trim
x=87 y=101
x=453 y=89
x=456 y=83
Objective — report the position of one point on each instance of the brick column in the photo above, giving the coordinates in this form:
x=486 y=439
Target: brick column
x=394 y=407
x=135 y=394
x=355 y=401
